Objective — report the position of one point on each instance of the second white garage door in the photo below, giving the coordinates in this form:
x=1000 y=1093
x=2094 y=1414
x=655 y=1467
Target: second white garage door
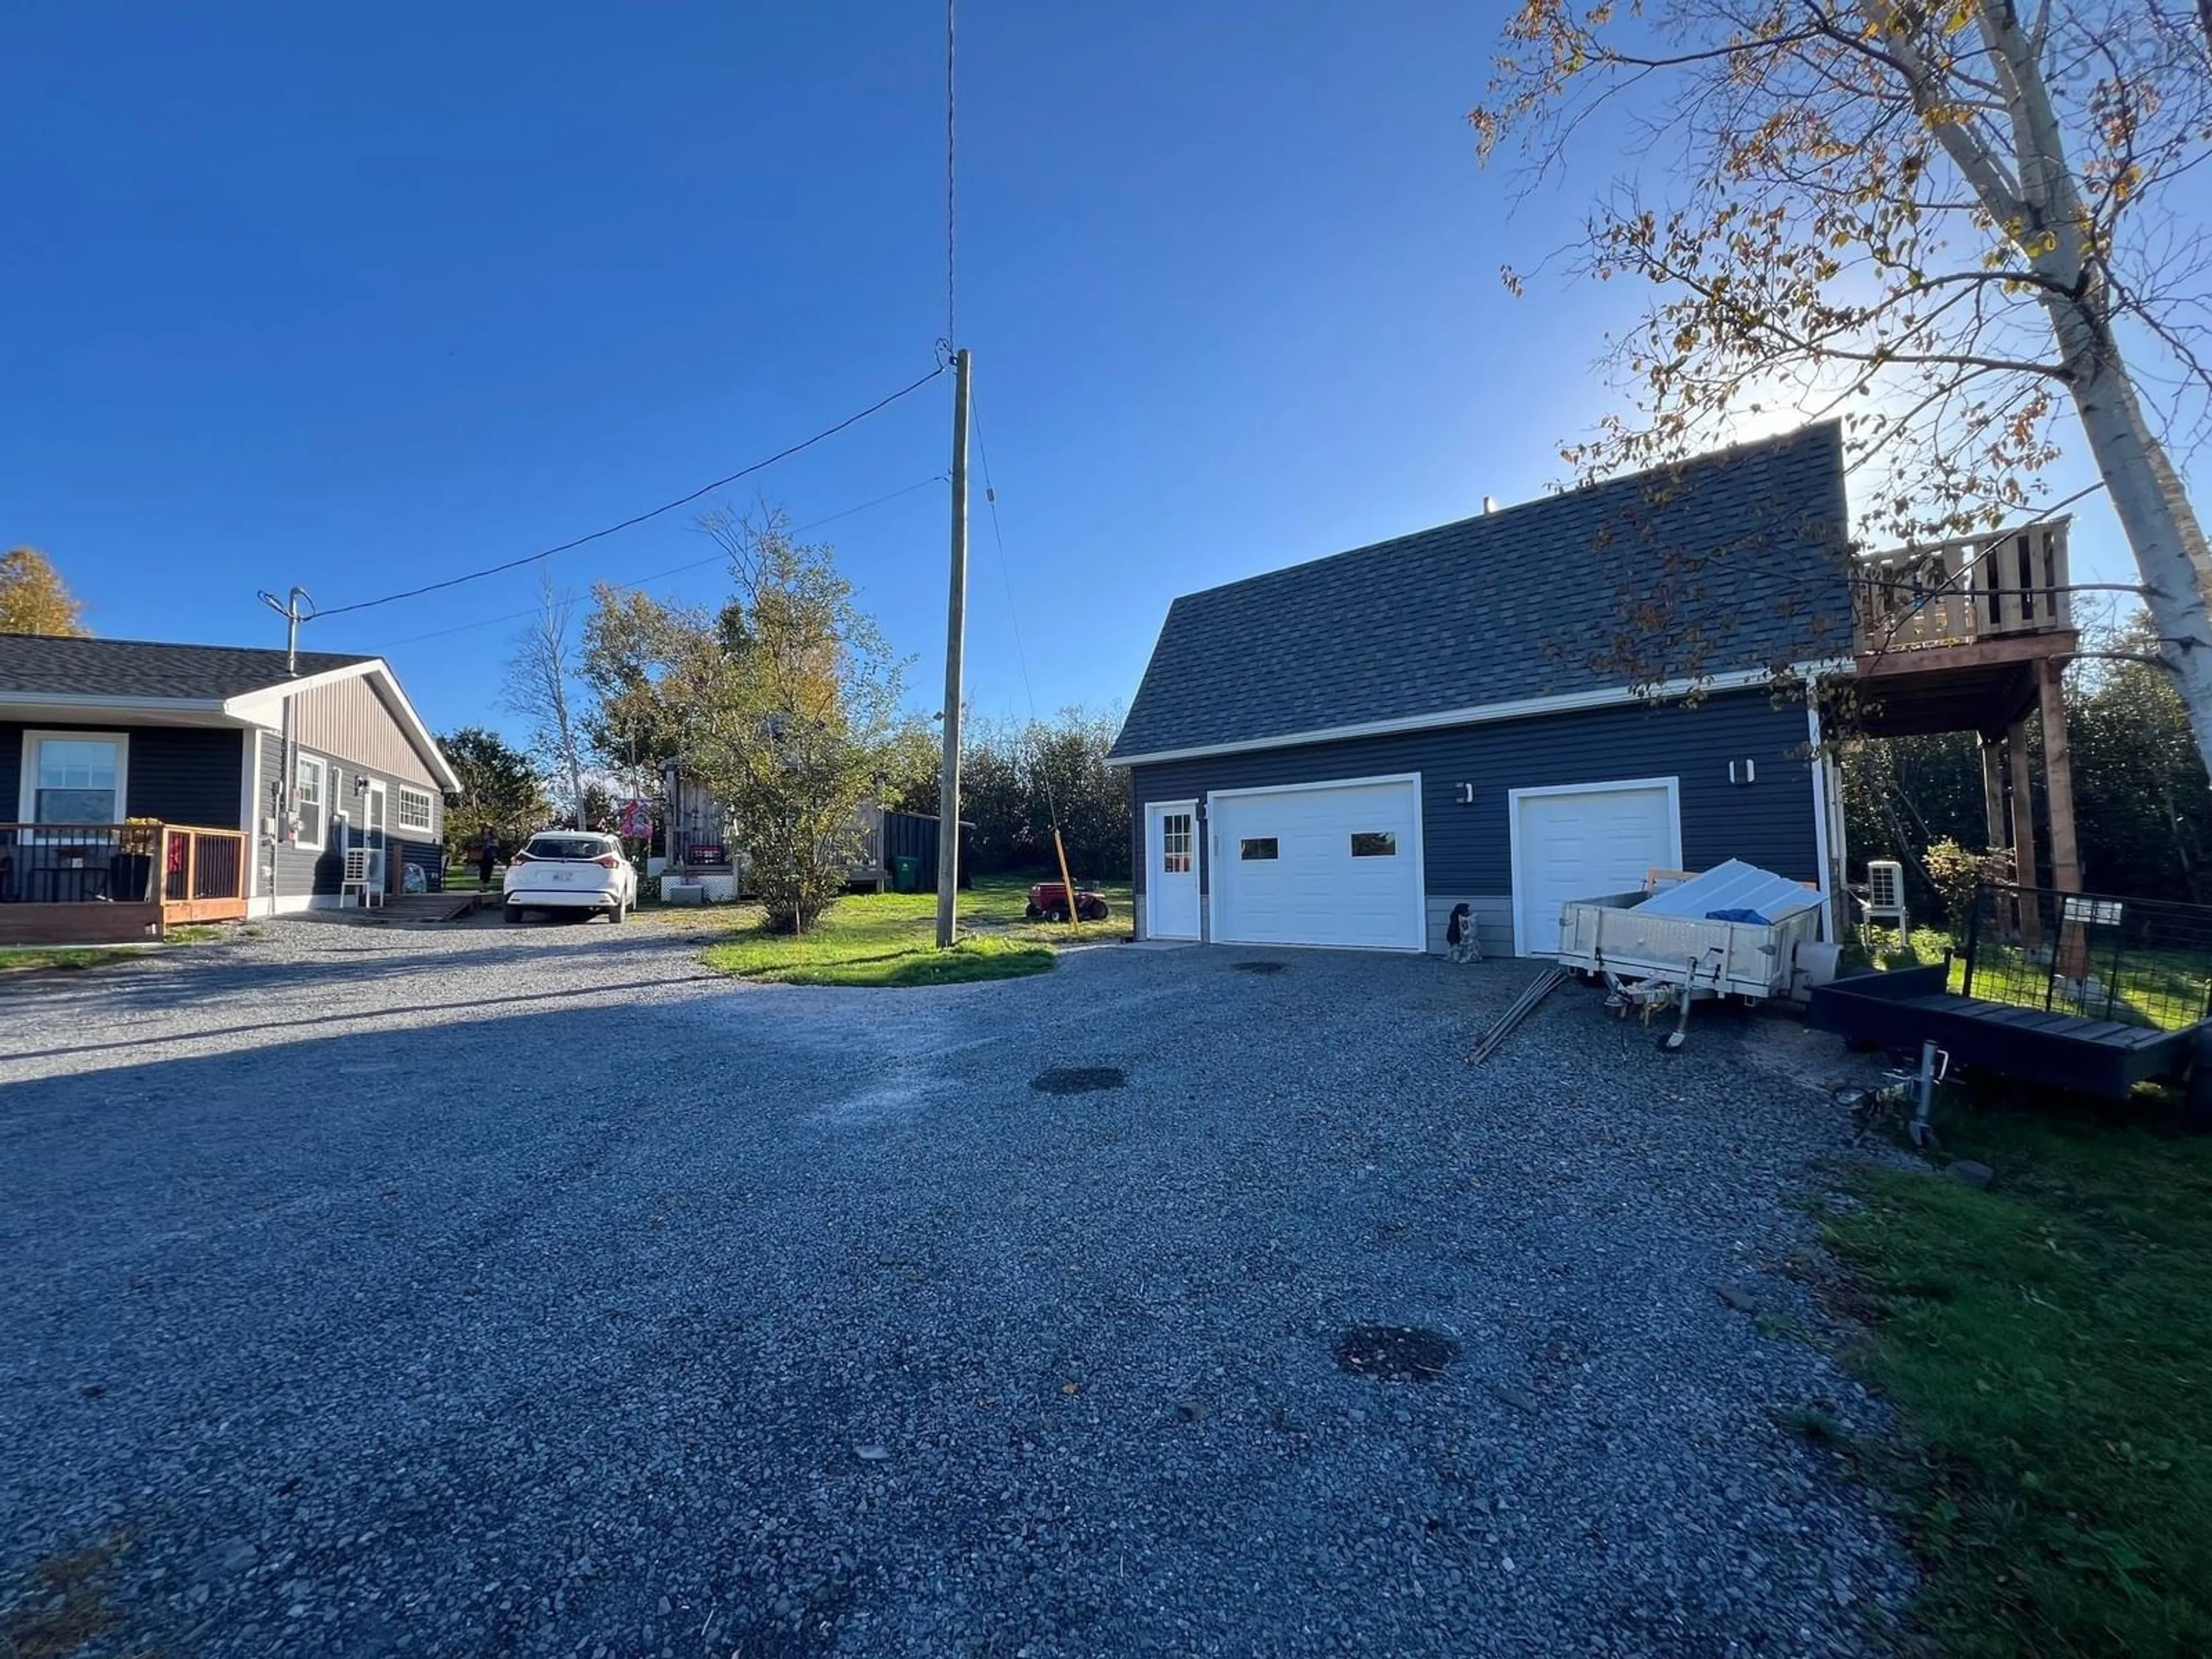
x=1585 y=841
x=1332 y=863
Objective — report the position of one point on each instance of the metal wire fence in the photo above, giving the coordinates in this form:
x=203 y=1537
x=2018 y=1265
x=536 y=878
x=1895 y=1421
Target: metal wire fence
x=2134 y=962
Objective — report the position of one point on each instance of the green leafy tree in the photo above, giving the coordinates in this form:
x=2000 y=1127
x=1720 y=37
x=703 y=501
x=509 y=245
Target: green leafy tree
x=632 y=643
x=1955 y=223
x=1066 y=777
x=786 y=715
x=909 y=768
x=2142 y=806
x=33 y=599
x=499 y=787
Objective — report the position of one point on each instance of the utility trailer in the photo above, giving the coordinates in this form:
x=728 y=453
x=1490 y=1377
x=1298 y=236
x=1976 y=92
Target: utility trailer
x=1734 y=930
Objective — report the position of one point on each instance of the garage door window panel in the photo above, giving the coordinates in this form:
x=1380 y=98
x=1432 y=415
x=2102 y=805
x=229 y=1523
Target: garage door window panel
x=1254 y=849
x=1375 y=844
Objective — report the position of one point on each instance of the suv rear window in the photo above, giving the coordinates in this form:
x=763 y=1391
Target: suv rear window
x=568 y=847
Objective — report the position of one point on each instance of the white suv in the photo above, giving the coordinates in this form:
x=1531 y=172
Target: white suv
x=571 y=869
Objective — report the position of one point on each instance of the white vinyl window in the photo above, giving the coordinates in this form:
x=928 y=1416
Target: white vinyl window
x=414 y=810
x=308 y=799
x=74 y=777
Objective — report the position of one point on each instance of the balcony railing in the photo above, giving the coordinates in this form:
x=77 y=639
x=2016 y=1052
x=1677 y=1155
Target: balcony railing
x=1962 y=591
x=193 y=873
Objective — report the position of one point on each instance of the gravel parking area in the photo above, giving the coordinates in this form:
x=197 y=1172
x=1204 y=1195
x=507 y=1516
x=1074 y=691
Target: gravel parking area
x=472 y=1291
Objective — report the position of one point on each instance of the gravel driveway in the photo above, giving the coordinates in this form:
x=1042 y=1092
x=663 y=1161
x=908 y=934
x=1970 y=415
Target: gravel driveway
x=474 y=1292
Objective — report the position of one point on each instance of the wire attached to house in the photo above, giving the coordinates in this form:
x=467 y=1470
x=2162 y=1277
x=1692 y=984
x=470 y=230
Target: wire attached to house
x=880 y=405
x=673 y=570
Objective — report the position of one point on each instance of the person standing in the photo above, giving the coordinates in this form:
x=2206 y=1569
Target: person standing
x=487 y=855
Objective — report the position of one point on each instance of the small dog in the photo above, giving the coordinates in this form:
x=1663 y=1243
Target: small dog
x=1459 y=934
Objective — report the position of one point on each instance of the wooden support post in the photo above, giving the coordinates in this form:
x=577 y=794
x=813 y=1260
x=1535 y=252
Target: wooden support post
x=1066 y=882
x=2059 y=777
x=2023 y=831
x=1994 y=838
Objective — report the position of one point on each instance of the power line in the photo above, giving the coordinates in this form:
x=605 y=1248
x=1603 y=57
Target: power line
x=657 y=575
x=655 y=513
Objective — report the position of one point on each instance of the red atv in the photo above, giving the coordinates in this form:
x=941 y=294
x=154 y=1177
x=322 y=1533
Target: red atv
x=1048 y=902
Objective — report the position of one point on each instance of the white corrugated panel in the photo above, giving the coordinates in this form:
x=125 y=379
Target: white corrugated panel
x=1733 y=885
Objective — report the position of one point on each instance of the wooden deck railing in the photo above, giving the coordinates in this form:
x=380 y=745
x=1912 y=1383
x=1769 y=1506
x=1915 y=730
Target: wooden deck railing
x=192 y=872
x=1956 y=592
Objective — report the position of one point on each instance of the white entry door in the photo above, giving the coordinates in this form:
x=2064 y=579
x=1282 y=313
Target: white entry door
x=1171 y=870
x=1586 y=840
x=1336 y=863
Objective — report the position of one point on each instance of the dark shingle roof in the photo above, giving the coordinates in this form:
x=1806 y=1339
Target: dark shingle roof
x=1731 y=560
x=33 y=664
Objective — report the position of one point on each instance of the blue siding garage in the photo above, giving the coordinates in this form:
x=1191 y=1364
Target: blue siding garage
x=1492 y=713
x=1767 y=815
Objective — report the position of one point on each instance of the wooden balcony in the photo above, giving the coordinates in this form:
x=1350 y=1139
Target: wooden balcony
x=1974 y=635
x=1952 y=637
x=115 y=884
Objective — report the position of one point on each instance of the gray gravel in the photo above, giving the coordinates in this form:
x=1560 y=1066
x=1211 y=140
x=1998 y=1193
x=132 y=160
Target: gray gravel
x=472 y=1291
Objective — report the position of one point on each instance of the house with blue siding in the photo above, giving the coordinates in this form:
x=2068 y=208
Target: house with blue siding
x=1540 y=703
x=154 y=783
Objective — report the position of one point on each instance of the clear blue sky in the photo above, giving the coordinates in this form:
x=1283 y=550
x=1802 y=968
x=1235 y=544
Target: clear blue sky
x=360 y=300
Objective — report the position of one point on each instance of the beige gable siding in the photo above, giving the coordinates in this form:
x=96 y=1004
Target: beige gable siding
x=347 y=720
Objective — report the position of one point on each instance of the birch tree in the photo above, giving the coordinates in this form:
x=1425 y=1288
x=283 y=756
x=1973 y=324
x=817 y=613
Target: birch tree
x=1955 y=224
x=542 y=685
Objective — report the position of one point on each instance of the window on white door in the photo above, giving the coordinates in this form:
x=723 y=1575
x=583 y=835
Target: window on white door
x=1175 y=844
x=74 y=777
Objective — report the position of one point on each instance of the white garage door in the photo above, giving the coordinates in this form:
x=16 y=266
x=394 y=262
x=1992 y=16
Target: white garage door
x=1584 y=842
x=1338 y=864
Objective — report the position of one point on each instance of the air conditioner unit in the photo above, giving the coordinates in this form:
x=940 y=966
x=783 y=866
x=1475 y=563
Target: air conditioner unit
x=1885 y=900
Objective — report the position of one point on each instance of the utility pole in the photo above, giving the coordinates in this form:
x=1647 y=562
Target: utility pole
x=280 y=805
x=956 y=630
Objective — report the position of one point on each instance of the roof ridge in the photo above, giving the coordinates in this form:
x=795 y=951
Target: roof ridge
x=1704 y=459
x=182 y=645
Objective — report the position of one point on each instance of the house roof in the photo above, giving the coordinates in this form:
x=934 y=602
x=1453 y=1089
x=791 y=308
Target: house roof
x=34 y=664
x=1729 y=561
x=190 y=683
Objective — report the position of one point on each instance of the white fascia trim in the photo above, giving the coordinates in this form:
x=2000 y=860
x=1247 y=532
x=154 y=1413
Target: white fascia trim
x=265 y=707
x=85 y=699
x=1604 y=696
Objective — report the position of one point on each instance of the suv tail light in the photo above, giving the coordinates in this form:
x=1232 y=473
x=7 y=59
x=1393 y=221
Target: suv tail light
x=522 y=858
x=608 y=861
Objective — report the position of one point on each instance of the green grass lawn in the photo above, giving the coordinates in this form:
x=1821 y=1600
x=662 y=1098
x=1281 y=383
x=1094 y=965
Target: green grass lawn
x=890 y=938
x=2048 y=1346
x=66 y=958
